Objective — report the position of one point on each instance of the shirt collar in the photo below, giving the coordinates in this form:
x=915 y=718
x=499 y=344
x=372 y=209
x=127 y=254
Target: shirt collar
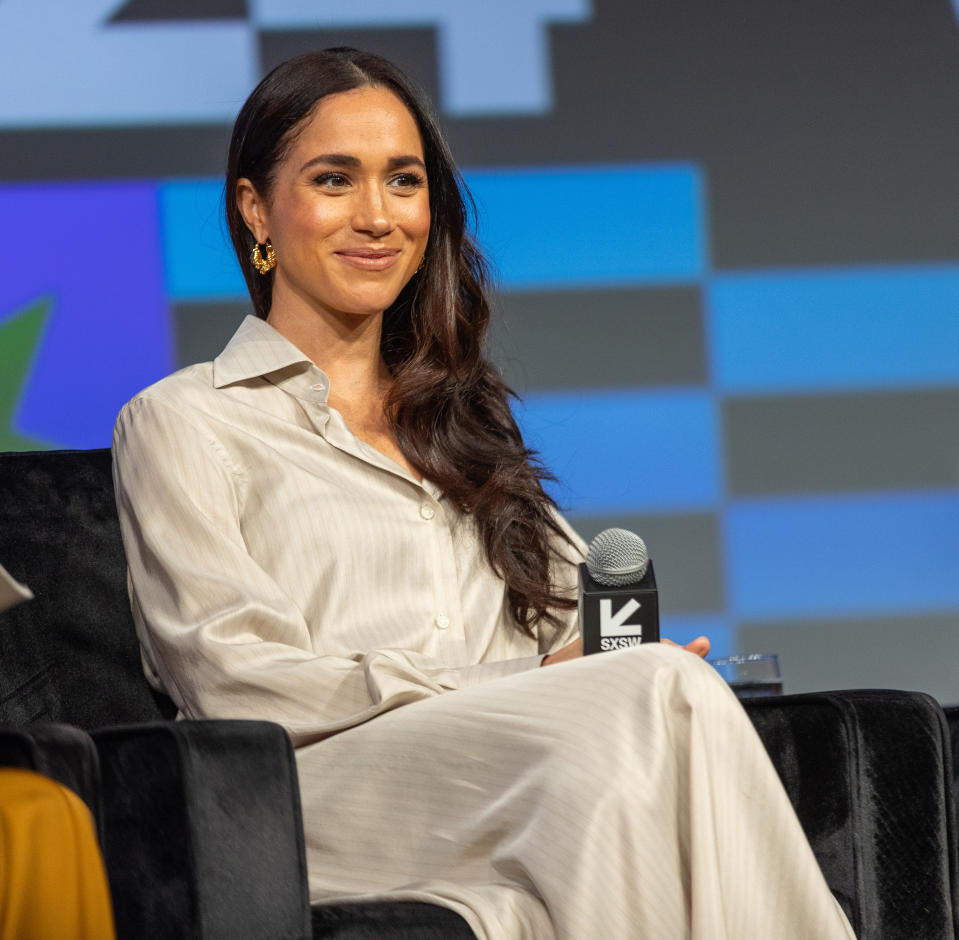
x=255 y=350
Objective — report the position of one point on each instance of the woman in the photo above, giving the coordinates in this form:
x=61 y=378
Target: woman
x=337 y=520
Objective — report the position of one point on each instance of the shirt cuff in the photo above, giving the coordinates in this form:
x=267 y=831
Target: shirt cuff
x=486 y=672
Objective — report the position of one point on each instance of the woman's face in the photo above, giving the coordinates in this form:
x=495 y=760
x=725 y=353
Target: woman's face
x=348 y=214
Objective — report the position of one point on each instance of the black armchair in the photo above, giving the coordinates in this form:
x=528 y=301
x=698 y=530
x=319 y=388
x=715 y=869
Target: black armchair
x=200 y=821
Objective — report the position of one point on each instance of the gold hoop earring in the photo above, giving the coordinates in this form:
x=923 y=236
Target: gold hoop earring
x=263 y=265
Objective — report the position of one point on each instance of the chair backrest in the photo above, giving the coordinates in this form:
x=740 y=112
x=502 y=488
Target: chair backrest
x=70 y=655
x=952 y=716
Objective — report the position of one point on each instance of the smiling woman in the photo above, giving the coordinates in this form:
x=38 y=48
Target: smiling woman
x=336 y=525
x=350 y=195
x=401 y=349
x=346 y=213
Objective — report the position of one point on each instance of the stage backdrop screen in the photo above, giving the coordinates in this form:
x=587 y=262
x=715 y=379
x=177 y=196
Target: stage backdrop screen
x=726 y=239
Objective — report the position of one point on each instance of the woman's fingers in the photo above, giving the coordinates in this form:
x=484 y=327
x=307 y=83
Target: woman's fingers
x=699 y=646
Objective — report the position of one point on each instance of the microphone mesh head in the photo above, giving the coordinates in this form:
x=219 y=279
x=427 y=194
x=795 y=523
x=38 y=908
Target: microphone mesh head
x=617 y=557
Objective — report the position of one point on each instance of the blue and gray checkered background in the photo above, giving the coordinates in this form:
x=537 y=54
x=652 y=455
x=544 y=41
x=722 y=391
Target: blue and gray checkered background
x=726 y=237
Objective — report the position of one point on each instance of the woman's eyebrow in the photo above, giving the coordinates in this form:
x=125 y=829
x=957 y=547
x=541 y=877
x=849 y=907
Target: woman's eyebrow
x=406 y=160
x=332 y=159
x=344 y=159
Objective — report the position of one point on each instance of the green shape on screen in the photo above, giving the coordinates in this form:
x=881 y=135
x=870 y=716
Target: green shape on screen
x=20 y=335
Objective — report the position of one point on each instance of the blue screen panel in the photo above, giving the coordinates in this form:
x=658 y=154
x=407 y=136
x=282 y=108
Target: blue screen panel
x=821 y=330
x=92 y=250
x=850 y=555
x=68 y=65
x=684 y=629
x=590 y=226
x=198 y=259
x=543 y=227
x=627 y=451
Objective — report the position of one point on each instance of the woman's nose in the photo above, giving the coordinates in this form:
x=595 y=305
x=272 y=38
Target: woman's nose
x=372 y=212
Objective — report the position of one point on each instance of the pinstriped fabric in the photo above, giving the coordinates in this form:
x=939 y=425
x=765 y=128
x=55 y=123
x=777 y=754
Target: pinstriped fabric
x=285 y=568
x=622 y=796
x=279 y=568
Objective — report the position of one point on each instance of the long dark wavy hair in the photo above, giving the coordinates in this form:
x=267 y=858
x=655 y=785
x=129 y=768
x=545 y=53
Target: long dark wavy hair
x=448 y=405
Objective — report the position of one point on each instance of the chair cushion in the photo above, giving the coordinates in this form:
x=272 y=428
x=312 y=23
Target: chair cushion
x=400 y=920
x=70 y=655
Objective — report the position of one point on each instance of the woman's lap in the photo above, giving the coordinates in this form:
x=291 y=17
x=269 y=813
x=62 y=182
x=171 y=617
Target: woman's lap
x=583 y=787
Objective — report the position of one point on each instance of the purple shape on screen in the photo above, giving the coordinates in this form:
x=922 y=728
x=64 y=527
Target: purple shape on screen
x=95 y=249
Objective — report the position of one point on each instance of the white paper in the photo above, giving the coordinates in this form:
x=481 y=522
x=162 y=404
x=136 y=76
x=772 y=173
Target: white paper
x=12 y=592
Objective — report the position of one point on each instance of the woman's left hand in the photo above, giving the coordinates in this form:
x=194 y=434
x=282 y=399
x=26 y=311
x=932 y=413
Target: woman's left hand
x=699 y=646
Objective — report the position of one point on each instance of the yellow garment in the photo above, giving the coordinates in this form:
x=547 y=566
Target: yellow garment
x=52 y=881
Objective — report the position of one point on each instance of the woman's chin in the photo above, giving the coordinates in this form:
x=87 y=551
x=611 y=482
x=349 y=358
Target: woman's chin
x=360 y=303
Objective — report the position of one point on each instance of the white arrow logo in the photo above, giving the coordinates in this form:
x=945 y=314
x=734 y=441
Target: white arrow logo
x=615 y=625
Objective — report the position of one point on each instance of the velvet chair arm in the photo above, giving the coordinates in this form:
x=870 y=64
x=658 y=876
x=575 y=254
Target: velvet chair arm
x=203 y=835
x=869 y=774
x=61 y=752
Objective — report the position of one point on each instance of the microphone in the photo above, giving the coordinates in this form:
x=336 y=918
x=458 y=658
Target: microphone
x=618 y=599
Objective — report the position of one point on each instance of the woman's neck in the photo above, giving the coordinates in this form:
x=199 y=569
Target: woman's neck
x=345 y=346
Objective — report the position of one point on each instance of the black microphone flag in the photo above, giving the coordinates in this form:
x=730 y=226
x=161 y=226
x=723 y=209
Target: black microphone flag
x=618 y=599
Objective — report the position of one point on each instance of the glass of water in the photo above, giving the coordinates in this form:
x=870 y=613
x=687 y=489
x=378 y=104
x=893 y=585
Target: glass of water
x=752 y=675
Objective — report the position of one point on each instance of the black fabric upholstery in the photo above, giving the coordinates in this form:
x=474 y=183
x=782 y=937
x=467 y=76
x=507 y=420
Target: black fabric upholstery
x=70 y=655
x=406 y=921
x=61 y=752
x=952 y=718
x=207 y=815
x=869 y=774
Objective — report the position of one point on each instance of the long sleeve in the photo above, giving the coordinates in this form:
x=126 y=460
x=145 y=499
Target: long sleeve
x=218 y=632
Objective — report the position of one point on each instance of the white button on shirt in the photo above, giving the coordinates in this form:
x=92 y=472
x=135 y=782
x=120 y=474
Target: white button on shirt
x=279 y=568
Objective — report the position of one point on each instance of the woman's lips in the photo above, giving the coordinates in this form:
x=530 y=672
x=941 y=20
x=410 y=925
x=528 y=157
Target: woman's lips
x=369 y=259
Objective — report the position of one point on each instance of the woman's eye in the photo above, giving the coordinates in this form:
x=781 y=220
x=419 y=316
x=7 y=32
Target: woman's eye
x=408 y=181
x=331 y=180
